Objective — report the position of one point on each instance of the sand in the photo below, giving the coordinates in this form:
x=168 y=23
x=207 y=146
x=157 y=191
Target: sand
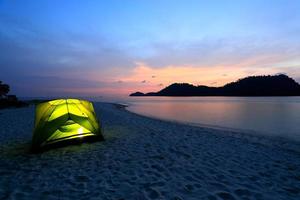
x=144 y=158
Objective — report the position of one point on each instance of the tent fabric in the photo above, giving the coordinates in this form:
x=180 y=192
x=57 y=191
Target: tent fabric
x=62 y=120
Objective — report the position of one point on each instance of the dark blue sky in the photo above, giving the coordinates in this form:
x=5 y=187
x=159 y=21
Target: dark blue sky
x=74 y=47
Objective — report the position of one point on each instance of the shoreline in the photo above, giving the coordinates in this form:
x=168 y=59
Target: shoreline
x=251 y=135
x=145 y=158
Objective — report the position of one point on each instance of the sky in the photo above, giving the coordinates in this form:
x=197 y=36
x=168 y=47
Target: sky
x=116 y=47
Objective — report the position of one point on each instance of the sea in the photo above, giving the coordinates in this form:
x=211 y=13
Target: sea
x=272 y=116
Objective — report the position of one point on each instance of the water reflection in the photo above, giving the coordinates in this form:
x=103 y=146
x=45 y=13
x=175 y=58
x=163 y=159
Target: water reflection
x=279 y=116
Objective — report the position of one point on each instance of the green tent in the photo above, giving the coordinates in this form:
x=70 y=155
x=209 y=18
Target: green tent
x=64 y=120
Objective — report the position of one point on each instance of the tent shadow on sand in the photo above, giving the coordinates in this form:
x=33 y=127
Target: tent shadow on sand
x=65 y=144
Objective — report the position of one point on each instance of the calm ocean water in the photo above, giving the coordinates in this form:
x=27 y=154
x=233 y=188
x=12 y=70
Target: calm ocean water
x=277 y=116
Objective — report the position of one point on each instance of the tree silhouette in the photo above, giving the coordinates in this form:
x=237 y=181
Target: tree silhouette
x=6 y=100
x=4 y=89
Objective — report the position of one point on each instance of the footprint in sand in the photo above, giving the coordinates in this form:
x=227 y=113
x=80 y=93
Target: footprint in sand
x=225 y=196
x=152 y=193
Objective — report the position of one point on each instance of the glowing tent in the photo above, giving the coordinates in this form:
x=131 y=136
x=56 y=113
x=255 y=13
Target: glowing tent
x=64 y=120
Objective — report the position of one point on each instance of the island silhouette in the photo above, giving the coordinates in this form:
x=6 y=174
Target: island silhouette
x=269 y=85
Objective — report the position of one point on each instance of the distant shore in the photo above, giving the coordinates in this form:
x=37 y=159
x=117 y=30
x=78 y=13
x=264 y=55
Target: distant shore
x=276 y=85
x=145 y=158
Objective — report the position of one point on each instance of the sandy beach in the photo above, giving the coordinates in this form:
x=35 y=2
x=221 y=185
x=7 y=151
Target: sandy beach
x=144 y=158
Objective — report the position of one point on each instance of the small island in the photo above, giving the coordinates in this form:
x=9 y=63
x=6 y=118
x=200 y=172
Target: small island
x=276 y=85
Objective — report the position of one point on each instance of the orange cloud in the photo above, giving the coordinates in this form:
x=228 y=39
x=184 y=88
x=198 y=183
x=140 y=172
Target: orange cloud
x=146 y=78
x=157 y=78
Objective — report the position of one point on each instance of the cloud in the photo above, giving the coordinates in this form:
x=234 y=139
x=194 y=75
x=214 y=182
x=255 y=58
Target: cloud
x=50 y=85
x=211 y=76
x=49 y=61
x=27 y=43
x=36 y=61
x=210 y=52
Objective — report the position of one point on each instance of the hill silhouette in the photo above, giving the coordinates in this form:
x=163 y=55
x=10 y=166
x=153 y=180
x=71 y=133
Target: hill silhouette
x=277 y=85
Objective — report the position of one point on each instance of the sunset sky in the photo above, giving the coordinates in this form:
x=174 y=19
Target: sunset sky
x=95 y=48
